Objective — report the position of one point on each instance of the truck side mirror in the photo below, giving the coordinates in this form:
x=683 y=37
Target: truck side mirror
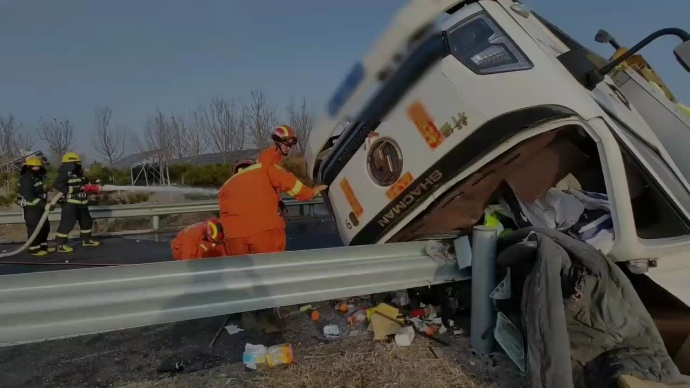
x=682 y=53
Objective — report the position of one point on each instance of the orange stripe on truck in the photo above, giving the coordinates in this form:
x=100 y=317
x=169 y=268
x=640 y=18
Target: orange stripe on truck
x=399 y=186
x=351 y=197
x=425 y=124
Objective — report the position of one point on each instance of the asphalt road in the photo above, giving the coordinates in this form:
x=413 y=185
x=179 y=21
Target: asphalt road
x=304 y=234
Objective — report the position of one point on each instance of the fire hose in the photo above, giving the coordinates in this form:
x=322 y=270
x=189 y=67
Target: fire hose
x=33 y=236
x=94 y=189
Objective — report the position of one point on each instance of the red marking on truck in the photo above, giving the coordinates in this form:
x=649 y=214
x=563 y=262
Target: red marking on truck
x=399 y=186
x=425 y=124
x=351 y=197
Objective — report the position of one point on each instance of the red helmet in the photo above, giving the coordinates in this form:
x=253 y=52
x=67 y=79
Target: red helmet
x=284 y=134
x=241 y=166
x=214 y=230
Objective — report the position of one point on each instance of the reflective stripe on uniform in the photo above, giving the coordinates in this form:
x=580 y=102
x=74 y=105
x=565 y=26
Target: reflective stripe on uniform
x=86 y=231
x=252 y=167
x=77 y=202
x=296 y=188
x=34 y=202
x=71 y=189
x=61 y=235
x=74 y=180
x=39 y=183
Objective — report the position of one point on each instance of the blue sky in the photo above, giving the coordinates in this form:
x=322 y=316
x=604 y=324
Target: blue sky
x=63 y=58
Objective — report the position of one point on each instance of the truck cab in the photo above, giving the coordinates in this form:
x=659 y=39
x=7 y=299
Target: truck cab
x=465 y=106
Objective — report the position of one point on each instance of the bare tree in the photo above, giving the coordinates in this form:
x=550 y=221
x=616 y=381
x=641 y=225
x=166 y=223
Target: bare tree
x=302 y=121
x=261 y=118
x=177 y=135
x=110 y=139
x=194 y=135
x=13 y=142
x=223 y=126
x=157 y=136
x=57 y=134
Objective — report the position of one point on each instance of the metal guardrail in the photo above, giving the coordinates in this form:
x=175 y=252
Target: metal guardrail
x=48 y=305
x=155 y=211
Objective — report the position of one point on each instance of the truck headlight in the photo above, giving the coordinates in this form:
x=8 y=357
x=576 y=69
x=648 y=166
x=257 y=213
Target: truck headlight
x=481 y=45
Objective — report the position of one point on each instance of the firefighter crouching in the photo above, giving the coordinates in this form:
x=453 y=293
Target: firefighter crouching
x=249 y=207
x=284 y=138
x=199 y=241
x=71 y=182
x=33 y=199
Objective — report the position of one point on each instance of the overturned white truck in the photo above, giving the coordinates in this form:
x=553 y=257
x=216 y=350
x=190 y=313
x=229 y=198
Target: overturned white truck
x=461 y=105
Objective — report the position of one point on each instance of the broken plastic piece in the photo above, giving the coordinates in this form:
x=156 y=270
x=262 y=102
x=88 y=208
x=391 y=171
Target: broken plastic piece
x=502 y=290
x=331 y=331
x=404 y=336
x=439 y=251
x=510 y=338
x=279 y=354
x=233 y=329
x=253 y=355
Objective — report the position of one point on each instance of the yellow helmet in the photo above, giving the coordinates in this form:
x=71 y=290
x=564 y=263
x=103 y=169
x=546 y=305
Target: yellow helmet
x=71 y=157
x=33 y=161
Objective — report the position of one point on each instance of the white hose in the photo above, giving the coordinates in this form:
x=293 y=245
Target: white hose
x=31 y=239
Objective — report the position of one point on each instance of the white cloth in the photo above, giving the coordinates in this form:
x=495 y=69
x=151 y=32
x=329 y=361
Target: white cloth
x=555 y=210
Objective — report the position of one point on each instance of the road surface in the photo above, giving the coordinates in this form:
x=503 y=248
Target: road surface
x=303 y=234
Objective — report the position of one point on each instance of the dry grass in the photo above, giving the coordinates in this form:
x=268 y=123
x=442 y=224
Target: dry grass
x=361 y=364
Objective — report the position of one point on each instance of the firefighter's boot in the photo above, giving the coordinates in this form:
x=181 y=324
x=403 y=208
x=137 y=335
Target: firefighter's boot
x=90 y=243
x=65 y=249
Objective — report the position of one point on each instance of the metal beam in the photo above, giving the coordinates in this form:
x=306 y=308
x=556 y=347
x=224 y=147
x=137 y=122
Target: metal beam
x=144 y=210
x=48 y=305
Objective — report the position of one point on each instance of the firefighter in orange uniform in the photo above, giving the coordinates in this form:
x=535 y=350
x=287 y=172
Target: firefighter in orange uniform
x=284 y=139
x=249 y=207
x=198 y=241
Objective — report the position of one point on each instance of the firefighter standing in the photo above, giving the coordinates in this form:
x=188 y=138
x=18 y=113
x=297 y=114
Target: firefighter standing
x=33 y=199
x=70 y=182
x=284 y=138
x=198 y=241
x=249 y=207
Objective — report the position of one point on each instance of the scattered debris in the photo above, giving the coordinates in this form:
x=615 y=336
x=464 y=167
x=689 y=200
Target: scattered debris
x=279 y=354
x=439 y=251
x=404 y=336
x=331 y=331
x=253 y=355
x=401 y=299
x=233 y=329
x=306 y=309
x=315 y=316
x=358 y=317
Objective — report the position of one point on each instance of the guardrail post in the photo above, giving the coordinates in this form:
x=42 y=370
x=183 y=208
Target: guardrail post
x=311 y=209
x=156 y=222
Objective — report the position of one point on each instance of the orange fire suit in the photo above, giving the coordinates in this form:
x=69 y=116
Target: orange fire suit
x=191 y=244
x=270 y=156
x=249 y=208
